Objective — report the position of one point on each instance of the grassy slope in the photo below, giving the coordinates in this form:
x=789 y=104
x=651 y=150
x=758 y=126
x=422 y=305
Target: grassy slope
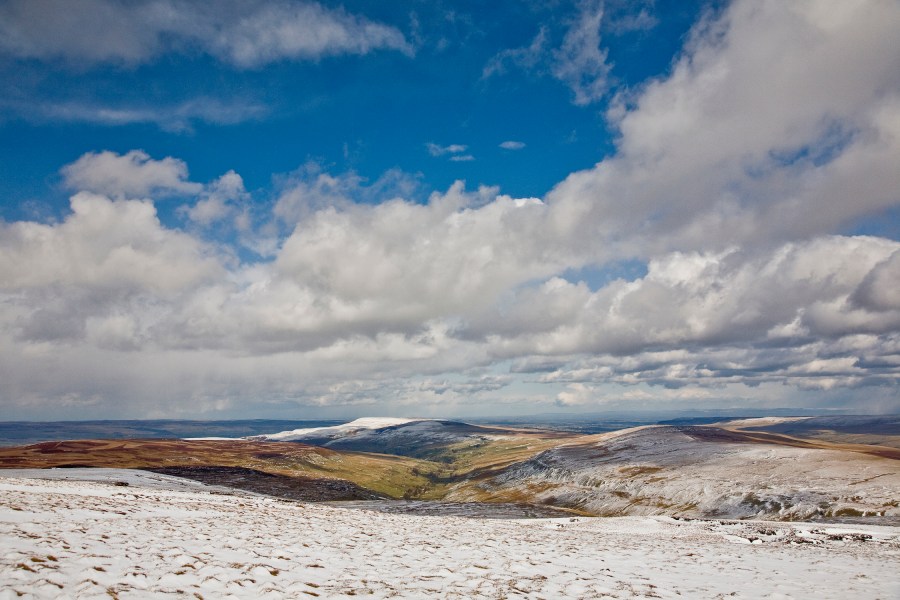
x=469 y=461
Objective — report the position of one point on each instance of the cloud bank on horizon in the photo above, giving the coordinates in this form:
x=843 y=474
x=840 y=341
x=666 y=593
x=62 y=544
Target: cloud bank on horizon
x=735 y=243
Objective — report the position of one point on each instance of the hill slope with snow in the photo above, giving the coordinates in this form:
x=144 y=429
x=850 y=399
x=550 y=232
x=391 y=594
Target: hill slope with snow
x=697 y=472
x=694 y=471
x=404 y=437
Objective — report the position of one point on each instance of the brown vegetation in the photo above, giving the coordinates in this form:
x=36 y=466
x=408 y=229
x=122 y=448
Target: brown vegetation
x=388 y=475
x=738 y=435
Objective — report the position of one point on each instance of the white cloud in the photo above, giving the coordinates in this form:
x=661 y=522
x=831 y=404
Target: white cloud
x=176 y=118
x=105 y=245
x=438 y=150
x=776 y=128
x=580 y=62
x=527 y=57
x=133 y=174
x=705 y=319
x=244 y=34
x=774 y=117
x=277 y=31
x=221 y=200
x=576 y=394
x=512 y=145
x=880 y=290
x=629 y=16
x=462 y=158
x=310 y=189
x=402 y=263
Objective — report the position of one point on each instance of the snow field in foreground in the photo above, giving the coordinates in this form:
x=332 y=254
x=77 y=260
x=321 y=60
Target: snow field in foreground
x=98 y=540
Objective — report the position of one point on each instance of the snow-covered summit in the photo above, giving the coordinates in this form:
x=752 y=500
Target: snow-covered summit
x=362 y=425
x=389 y=435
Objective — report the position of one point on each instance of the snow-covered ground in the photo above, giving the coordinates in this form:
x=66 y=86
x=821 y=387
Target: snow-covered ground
x=90 y=539
x=119 y=477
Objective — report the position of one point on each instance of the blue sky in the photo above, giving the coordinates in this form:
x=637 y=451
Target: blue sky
x=312 y=209
x=367 y=114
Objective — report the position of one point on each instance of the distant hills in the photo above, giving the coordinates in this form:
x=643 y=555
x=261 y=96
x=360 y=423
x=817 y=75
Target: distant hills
x=14 y=433
x=789 y=468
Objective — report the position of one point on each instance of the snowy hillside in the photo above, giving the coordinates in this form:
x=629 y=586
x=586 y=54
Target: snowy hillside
x=698 y=471
x=410 y=437
x=80 y=539
x=363 y=426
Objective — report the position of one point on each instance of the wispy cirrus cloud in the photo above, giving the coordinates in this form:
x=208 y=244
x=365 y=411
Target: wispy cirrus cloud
x=579 y=61
x=242 y=34
x=526 y=57
x=626 y=16
x=176 y=118
x=438 y=150
x=454 y=152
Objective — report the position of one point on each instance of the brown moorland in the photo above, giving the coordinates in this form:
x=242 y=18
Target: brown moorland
x=387 y=475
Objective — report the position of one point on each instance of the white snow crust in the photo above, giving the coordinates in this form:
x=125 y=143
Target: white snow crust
x=762 y=421
x=337 y=431
x=64 y=539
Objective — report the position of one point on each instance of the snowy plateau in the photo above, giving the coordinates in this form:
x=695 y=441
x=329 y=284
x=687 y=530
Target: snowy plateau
x=83 y=539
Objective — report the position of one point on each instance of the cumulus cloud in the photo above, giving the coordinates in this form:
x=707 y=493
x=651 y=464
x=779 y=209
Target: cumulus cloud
x=512 y=145
x=405 y=263
x=220 y=201
x=858 y=367
x=576 y=394
x=104 y=244
x=244 y=34
x=100 y=279
x=880 y=289
x=791 y=313
x=774 y=116
x=133 y=174
x=310 y=189
x=731 y=180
